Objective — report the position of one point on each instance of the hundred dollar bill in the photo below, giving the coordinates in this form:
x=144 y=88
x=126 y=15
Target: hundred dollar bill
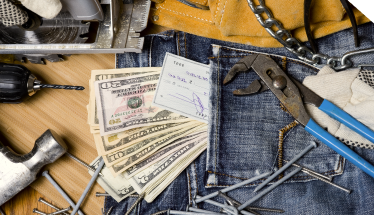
x=119 y=188
x=126 y=103
x=114 y=142
x=98 y=75
x=188 y=140
x=148 y=179
x=153 y=192
x=145 y=148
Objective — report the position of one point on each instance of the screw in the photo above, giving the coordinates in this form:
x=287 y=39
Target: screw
x=50 y=205
x=155 y=18
x=38 y=212
x=225 y=190
x=141 y=196
x=241 y=207
x=307 y=171
x=160 y=212
x=83 y=163
x=58 y=188
x=61 y=211
x=110 y=210
x=309 y=147
x=89 y=185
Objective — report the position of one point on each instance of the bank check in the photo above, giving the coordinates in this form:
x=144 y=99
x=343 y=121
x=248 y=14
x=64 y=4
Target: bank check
x=183 y=87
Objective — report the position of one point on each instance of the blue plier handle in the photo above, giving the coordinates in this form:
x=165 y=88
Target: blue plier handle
x=292 y=94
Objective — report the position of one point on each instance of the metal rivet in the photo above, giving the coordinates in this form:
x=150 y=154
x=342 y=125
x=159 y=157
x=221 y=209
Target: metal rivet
x=279 y=82
x=155 y=18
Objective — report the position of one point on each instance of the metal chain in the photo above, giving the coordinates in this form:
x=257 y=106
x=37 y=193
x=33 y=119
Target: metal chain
x=291 y=43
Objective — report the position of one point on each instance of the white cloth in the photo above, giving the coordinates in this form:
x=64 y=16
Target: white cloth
x=44 y=8
x=348 y=93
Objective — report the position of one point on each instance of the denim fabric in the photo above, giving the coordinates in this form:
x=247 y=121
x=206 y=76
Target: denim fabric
x=248 y=134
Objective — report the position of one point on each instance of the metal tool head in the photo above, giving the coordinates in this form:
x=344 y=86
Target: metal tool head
x=273 y=78
x=18 y=171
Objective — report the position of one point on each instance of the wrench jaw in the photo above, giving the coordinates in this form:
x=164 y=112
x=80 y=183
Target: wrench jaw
x=242 y=65
x=257 y=86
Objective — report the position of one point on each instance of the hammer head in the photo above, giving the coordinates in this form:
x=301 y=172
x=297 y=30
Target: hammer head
x=18 y=171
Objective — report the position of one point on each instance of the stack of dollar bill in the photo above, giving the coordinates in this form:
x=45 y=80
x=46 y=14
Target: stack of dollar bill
x=144 y=147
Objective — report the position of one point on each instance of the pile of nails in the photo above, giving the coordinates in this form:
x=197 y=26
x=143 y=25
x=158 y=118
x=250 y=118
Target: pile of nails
x=58 y=210
x=73 y=206
x=231 y=206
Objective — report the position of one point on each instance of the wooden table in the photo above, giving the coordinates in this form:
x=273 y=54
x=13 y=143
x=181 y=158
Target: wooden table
x=24 y=202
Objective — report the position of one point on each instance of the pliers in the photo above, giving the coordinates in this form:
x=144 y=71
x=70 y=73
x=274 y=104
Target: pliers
x=348 y=9
x=292 y=94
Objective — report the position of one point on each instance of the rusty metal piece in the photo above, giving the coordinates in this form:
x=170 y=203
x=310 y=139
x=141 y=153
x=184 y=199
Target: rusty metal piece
x=268 y=70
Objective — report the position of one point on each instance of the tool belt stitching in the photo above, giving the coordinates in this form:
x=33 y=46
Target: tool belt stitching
x=159 y=6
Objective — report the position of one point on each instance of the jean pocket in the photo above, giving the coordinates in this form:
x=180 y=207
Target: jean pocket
x=249 y=135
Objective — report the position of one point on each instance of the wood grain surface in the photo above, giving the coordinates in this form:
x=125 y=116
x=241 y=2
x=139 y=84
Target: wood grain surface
x=64 y=112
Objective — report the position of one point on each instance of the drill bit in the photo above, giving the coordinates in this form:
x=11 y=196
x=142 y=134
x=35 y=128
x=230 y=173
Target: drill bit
x=65 y=87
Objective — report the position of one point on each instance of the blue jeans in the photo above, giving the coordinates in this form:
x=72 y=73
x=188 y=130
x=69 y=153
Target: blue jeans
x=249 y=135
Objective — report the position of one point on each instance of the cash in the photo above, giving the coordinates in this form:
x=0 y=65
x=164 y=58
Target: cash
x=126 y=103
x=147 y=146
x=162 y=153
x=143 y=136
x=118 y=187
x=158 y=176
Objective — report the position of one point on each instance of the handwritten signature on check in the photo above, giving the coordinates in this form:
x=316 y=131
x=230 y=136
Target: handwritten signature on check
x=196 y=101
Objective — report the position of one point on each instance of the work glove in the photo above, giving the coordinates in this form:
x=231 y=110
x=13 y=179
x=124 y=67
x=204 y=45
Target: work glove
x=351 y=90
x=44 y=8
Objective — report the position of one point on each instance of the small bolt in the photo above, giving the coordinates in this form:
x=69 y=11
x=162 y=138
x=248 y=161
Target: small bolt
x=155 y=18
x=141 y=196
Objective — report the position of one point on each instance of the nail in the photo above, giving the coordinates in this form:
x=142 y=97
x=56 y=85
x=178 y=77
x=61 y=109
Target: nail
x=2 y=212
x=229 y=209
x=160 y=212
x=110 y=210
x=102 y=211
x=329 y=182
x=309 y=147
x=201 y=211
x=141 y=196
x=233 y=202
x=250 y=209
x=50 y=205
x=83 y=163
x=268 y=209
x=182 y=212
x=38 y=212
x=89 y=185
x=61 y=211
x=241 y=207
x=306 y=170
x=225 y=190
x=241 y=212
x=58 y=188
x=101 y=194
